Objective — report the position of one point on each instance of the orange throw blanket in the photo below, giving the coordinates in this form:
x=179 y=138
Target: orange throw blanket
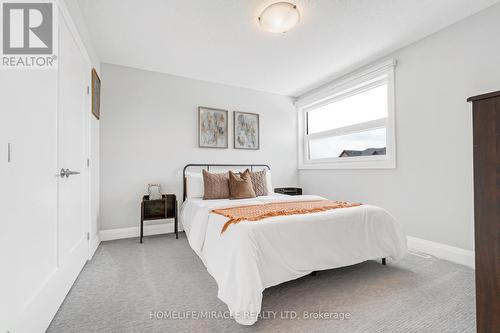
x=259 y=212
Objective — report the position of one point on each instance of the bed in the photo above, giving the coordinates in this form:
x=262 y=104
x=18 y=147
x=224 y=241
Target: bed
x=251 y=256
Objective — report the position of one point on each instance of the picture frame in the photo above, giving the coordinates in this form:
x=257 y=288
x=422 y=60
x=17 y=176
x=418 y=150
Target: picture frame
x=246 y=130
x=96 y=94
x=154 y=191
x=212 y=128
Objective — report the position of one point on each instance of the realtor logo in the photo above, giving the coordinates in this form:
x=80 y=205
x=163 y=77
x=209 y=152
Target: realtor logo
x=28 y=31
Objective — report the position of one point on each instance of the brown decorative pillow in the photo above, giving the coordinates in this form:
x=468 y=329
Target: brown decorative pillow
x=240 y=187
x=259 y=182
x=216 y=185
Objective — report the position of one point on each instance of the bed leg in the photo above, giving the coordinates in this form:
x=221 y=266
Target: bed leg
x=313 y=273
x=383 y=261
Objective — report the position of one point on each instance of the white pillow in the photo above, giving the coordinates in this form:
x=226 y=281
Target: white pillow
x=269 y=183
x=194 y=185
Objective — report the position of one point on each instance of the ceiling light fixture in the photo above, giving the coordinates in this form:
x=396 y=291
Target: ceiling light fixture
x=279 y=17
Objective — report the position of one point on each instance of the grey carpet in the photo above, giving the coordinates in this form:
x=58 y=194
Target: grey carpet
x=126 y=281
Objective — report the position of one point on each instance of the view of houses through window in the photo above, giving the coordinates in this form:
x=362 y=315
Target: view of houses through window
x=353 y=125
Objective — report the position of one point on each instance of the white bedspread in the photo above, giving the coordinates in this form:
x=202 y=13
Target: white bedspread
x=251 y=256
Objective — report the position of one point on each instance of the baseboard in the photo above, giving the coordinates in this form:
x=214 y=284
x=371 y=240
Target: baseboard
x=152 y=229
x=442 y=251
x=95 y=244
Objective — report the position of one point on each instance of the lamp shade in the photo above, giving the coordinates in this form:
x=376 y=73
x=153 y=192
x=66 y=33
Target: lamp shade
x=279 y=17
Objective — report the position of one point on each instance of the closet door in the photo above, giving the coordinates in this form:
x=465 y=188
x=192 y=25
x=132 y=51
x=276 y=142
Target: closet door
x=486 y=120
x=28 y=194
x=72 y=145
x=44 y=217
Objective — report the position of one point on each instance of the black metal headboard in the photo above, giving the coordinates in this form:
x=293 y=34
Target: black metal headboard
x=207 y=166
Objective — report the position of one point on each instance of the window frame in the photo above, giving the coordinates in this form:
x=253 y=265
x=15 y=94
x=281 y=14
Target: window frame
x=349 y=85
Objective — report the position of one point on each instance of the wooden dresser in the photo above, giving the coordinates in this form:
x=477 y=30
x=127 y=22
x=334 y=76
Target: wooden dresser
x=486 y=125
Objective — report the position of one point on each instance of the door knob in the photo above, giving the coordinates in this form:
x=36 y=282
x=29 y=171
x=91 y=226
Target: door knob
x=67 y=172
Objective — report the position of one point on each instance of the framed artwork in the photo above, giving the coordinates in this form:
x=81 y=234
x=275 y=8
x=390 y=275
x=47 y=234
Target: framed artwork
x=212 y=128
x=96 y=94
x=246 y=130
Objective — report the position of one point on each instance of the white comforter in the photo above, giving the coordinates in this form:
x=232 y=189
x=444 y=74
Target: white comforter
x=251 y=256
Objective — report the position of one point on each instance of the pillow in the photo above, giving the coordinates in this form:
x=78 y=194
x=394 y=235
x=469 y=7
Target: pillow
x=194 y=185
x=269 y=183
x=216 y=185
x=259 y=182
x=240 y=187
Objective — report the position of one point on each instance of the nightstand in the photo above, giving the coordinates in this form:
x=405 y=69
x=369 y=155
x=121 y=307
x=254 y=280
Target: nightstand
x=164 y=208
x=289 y=190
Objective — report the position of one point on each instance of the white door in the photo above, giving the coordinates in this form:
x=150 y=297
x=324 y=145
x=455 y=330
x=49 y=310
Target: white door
x=72 y=146
x=43 y=217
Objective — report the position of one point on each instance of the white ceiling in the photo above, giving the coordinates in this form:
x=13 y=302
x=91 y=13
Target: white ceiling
x=220 y=40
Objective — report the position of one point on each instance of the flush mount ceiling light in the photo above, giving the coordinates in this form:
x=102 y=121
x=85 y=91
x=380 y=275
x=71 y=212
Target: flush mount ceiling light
x=279 y=17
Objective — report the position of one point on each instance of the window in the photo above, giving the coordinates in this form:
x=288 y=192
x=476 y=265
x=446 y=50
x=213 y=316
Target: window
x=350 y=124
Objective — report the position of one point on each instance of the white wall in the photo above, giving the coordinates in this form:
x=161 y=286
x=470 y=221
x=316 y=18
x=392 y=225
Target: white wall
x=149 y=131
x=74 y=9
x=431 y=190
